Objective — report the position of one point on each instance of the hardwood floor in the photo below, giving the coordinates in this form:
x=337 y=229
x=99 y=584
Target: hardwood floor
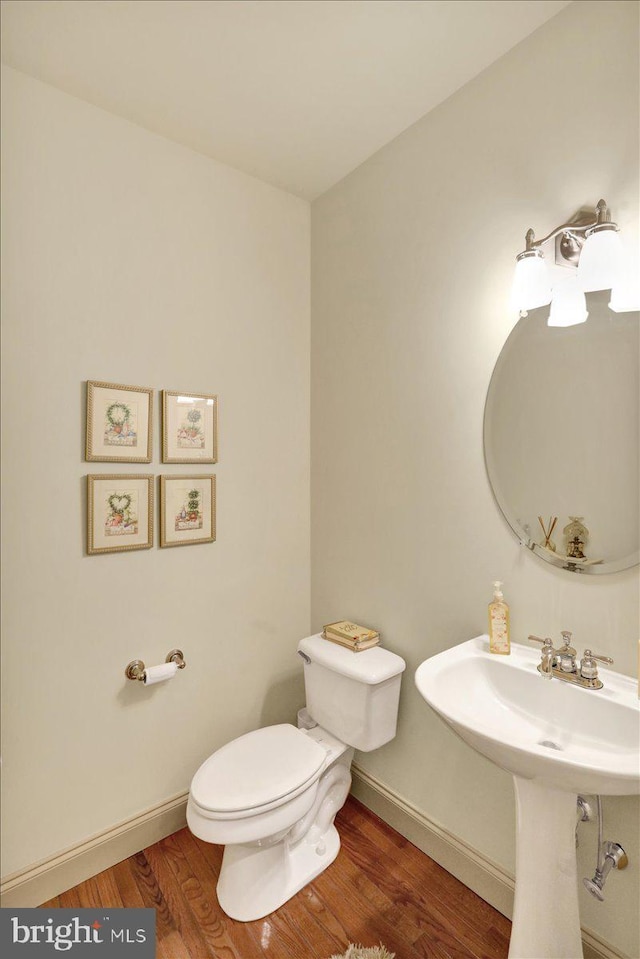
x=381 y=888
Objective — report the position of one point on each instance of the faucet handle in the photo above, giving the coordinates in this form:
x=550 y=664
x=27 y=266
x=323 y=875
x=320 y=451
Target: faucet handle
x=546 y=643
x=602 y=659
x=548 y=659
x=589 y=666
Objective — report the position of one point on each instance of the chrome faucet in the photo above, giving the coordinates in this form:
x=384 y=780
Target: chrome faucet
x=562 y=664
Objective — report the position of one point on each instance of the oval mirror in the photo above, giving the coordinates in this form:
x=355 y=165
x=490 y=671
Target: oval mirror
x=561 y=428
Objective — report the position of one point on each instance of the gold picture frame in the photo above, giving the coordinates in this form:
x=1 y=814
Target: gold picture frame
x=189 y=427
x=119 y=423
x=119 y=512
x=187 y=509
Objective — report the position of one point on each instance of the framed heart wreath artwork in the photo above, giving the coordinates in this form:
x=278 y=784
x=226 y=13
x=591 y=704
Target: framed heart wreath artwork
x=119 y=513
x=119 y=423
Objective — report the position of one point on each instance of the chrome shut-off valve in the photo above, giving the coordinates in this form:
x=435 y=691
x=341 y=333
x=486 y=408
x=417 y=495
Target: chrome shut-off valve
x=613 y=856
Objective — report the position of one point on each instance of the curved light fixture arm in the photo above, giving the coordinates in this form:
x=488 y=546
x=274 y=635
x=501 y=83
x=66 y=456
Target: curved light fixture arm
x=580 y=224
x=573 y=227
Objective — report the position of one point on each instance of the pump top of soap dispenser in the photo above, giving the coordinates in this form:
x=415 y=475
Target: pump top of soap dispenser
x=497 y=592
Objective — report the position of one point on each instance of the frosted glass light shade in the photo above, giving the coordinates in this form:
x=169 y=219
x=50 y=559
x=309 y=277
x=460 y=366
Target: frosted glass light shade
x=599 y=261
x=531 y=283
x=625 y=294
x=569 y=304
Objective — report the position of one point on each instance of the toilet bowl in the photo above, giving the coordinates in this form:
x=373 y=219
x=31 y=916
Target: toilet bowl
x=271 y=796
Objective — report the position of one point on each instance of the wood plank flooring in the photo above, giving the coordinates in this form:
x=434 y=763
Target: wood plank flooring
x=381 y=888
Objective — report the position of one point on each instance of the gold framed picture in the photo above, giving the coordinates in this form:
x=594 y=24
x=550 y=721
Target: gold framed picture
x=189 y=427
x=119 y=422
x=119 y=512
x=187 y=510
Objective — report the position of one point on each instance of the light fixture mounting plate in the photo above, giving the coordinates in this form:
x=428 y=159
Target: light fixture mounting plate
x=569 y=244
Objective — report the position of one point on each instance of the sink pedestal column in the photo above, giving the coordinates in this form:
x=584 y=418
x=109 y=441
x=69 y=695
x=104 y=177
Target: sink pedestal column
x=546 y=920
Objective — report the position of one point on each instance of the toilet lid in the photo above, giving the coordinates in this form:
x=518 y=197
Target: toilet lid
x=256 y=769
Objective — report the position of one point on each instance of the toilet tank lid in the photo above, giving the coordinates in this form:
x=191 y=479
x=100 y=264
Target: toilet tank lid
x=371 y=666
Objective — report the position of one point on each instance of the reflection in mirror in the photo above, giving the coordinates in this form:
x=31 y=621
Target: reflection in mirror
x=561 y=437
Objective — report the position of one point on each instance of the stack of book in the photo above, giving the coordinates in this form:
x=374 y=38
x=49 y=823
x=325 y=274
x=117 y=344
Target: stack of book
x=351 y=636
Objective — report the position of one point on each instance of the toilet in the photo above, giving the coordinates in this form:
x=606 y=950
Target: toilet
x=271 y=796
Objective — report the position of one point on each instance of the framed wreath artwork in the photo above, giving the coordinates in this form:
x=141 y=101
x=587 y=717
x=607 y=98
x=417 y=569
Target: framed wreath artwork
x=119 y=513
x=189 y=427
x=118 y=423
x=187 y=510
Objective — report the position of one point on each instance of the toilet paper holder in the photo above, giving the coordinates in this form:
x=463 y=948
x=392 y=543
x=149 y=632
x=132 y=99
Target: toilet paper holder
x=135 y=669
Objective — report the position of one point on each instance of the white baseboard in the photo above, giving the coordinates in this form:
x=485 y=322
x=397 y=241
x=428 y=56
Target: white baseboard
x=487 y=879
x=43 y=880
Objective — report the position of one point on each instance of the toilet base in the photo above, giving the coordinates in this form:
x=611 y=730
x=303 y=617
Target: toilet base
x=257 y=880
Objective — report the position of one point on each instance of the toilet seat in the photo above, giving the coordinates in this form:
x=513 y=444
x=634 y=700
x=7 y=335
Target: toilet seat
x=257 y=772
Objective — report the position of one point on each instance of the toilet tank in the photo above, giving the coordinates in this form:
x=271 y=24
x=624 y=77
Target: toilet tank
x=354 y=696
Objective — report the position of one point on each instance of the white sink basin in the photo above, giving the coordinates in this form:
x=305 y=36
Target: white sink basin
x=558 y=740
x=578 y=740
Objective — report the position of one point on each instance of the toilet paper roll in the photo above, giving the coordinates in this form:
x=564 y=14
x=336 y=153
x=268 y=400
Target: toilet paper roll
x=159 y=674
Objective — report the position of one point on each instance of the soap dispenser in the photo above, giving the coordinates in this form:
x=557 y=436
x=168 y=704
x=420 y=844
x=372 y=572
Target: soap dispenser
x=499 y=640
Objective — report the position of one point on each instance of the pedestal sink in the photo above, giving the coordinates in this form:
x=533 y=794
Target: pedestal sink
x=558 y=740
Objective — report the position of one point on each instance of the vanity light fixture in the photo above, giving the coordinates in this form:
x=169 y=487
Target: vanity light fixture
x=589 y=245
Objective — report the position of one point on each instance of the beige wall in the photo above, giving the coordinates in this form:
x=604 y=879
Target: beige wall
x=412 y=258
x=131 y=259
